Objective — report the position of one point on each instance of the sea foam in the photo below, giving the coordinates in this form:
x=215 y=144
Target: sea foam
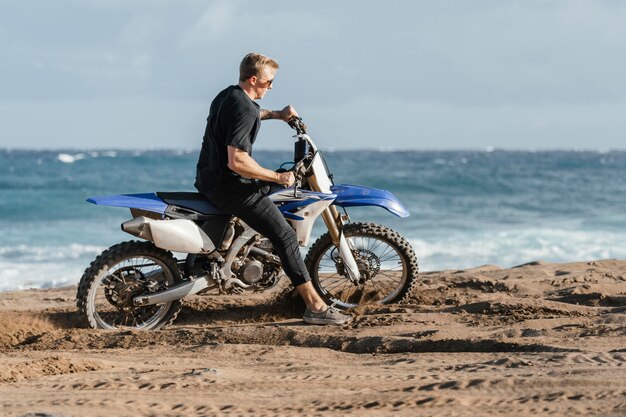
x=25 y=266
x=508 y=248
x=66 y=158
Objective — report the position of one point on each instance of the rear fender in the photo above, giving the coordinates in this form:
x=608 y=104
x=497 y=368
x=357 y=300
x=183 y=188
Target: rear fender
x=357 y=195
x=149 y=202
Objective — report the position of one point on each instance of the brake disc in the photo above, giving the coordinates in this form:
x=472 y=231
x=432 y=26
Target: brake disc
x=368 y=264
x=128 y=286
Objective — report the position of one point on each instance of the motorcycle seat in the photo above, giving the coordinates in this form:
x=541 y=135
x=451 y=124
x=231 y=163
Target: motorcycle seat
x=191 y=201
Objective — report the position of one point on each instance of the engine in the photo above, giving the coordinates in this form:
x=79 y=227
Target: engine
x=260 y=270
x=251 y=272
x=259 y=275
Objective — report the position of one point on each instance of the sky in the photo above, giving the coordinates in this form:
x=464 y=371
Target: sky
x=109 y=74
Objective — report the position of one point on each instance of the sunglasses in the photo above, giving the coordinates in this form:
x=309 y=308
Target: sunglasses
x=269 y=82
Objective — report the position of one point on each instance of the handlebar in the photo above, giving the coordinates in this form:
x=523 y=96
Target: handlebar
x=296 y=123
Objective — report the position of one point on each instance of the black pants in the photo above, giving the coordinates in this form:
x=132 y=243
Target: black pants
x=260 y=213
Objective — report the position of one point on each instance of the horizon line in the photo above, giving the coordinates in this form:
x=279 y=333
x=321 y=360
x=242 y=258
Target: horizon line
x=326 y=149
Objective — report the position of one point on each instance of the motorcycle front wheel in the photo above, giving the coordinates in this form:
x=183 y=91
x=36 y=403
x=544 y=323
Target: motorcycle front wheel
x=120 y=273
x=386 y=261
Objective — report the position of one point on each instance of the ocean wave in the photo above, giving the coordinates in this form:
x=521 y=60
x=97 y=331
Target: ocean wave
x=26 y=253
x=21 y=276
x=515 y=247
x=67 y=158
x=24 y=266
x=104 y=154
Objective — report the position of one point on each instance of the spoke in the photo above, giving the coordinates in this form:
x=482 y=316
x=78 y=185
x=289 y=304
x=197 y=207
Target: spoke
x=122 y=280
x=395 y=268
x=378 y=243
x=393 y=257
x=343 y=288
x=385 y=288
x=387 y=250
x=328 y=255
x=334 y=285
x=327 y=282
x=378 y=289
x=384 y=283
x=106 y=280
x=390 y=257
x=332 y=279
x=388 y=276
x=386 y=271
x=349 y=294
x=330 y=276
x=394 y=271
x=372 y=243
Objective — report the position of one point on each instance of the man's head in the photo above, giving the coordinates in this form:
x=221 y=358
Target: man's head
x=256 y=74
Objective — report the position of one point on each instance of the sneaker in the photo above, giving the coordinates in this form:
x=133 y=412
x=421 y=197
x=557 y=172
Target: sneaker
x=329 y=316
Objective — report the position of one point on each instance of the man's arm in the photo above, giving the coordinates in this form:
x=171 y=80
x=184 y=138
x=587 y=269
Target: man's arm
x=242 y=163
x=269 y=114
x=284 y=114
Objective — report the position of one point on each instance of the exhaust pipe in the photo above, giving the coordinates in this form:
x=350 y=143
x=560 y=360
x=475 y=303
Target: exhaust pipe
x=172 y=294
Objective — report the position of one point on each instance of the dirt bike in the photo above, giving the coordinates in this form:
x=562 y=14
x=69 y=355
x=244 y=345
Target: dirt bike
x=141 y=284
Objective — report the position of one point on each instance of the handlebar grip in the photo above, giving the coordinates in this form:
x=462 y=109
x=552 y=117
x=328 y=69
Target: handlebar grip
x=296 y=123
x=293 y=122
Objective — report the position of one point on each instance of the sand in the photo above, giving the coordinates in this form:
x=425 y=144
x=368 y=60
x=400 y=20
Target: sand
x=538 y=339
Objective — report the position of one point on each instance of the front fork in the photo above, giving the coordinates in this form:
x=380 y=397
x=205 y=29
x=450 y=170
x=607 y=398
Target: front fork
x=334 y=222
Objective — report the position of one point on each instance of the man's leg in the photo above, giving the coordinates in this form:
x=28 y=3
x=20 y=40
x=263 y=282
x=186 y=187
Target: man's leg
x=311 y=298
x=260 y=213
x=269 y=221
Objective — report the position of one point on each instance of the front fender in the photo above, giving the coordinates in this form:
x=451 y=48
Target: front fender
x=357 y=195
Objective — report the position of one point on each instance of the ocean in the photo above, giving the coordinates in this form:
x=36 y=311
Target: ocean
x=468 y=208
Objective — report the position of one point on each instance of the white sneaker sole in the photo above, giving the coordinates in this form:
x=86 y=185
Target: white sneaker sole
x=313 y=320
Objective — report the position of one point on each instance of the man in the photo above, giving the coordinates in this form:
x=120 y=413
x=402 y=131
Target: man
x=227 y=174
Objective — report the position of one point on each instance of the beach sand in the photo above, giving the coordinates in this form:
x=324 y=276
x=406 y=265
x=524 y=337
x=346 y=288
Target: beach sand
x=538 y=339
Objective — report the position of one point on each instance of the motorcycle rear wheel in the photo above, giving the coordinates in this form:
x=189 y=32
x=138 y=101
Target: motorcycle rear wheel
x=386 y=262
x=119 y=274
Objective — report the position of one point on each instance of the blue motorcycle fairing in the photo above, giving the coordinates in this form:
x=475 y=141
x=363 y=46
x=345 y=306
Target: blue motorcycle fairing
x=302 y=199
x=147 y=201
x=357 y=195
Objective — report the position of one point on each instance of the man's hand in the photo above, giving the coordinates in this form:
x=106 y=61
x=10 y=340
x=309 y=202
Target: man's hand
x=287 y=113
x=285 y=178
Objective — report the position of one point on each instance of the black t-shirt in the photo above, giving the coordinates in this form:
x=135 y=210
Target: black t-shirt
x=234 y=120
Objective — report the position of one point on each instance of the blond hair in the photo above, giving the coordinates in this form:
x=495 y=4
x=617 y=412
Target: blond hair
x=253 y=63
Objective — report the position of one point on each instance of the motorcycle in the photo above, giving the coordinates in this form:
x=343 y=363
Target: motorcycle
x=140 y=284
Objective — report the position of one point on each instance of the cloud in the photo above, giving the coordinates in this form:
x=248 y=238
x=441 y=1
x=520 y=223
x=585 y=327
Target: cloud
x=373 y=122
x=214 y=23
x=487 y=58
